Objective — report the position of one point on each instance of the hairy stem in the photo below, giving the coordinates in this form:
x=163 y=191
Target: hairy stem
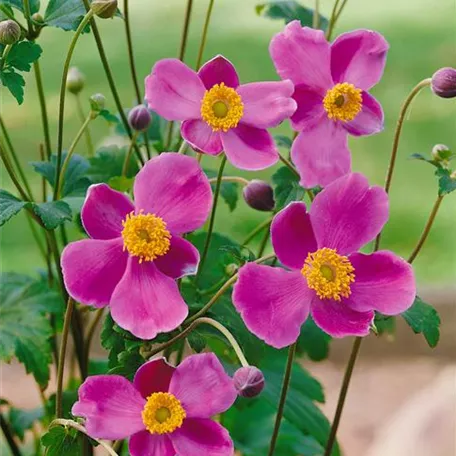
x=316 y=15
x=204 y=35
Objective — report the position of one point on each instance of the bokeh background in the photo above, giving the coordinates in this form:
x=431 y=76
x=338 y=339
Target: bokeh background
x=403 y=398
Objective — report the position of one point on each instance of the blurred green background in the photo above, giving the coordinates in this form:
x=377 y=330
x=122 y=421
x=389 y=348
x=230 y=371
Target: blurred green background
x=422 y=36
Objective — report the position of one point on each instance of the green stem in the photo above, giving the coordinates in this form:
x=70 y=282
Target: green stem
x=343 y=395
x=236 y=179
x=340 y=10
x=128 y=156
x=204 y=35
x=9 y=437
x=218 y=186
x=316 y=15
x=256 y=230
x=91 y=332
x=88 y=136
x=36 y=236
x=290 y=166
x=183 y=148
x=400 y=122
x=28 y=18
x=66 y=67
x=264 y=242
x=283 y=398
x=332 y=21
x=12 y=175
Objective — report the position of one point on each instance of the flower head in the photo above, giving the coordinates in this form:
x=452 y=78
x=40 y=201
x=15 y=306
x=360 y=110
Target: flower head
x=331 y=91
x=136 y=251
x=326 y=275
x=218 y=113
x=443 y=82
x=165 y=411
x=139 y=118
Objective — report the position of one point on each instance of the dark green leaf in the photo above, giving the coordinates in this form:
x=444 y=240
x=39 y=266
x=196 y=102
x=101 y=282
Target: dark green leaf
x=197 y=341
x=287 y=188
x=228 y=190
x=14 y=82
x=65 y=14
x=22 y=420
x=61 y=441
x=424 y=319
x=447 y=184
x=53 y=213
x=111 y=341
x=128 y=362
x=111 y=118
x=108 y=163
x=69 y=397
x=23 y=54
x=98 y=366
x=5 y=11
x=313 y=341
x=384 y=324
x=283 y=141
x=9 y=206
x=19 y=4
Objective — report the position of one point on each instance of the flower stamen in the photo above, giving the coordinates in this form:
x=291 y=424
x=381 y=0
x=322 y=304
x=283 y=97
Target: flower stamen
x=343 y=102
x=163 y=413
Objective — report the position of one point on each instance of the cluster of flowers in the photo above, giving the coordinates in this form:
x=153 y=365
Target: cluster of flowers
x=137 y=251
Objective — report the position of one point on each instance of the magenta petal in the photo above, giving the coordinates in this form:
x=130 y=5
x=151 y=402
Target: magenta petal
x=103 y=211
x=339 y=320
x=146 y=301
x=369 y=120
x=348 y=214
x=321 y=154
x=174 y=90
x=153 y=377
x=181 y=260
x=302 y=54
x=273 y=303
x=111 y=406
x=292 y=235
x=202 y=386
x=198 y=437
x=146 y=444
x=310 y=109
x=201 y=136
x=174 y=187
x=383 y=282
x=267 y=104
x=218 y=70
x=359 y=58
x=250 y=148
x=92 y=269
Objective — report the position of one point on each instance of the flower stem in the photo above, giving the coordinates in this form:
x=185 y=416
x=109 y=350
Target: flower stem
x=204 y=35
x=415 y=91
x=236 y=179
x=290 y=166
x=28 y=18
x=66 y=67
x=427 y=229
x=5 y=53
x=90 y=148
x=218 y=185
x=316 y=15
x=183 y=147
x=256 y=230
x=264 y=241
x=332 y=20
x=340 y=10
x=9 y=437
x=91 y=332
x=129 y=152
x=283 y=397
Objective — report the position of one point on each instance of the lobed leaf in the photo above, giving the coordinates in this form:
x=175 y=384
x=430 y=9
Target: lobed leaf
x=287 y=188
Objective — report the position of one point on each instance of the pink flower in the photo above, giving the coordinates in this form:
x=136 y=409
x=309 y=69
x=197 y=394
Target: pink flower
x=136 y=251
x=165 y=411
x=327 y=277
x=331 y=84
x=218 y=113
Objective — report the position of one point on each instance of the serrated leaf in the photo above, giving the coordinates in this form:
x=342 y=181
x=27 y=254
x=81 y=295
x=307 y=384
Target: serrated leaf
x=313 y=341
x=14 y=82
x=108 y=163
x=228 y=190
x=9 y=206
x=19 y=4
x=23 y=420
x=447 y=184
x=286 y=187
x=65 y=14
x=23 y=54
x=53 y=213
x=62 y=441
x=424 y=319
x=128 y=363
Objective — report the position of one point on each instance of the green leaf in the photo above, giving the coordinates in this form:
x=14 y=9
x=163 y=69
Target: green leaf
x=121 y=183
x=289 y=10
x=313 y=341
x=22 y=420
x=69 y=397
x=228 y=190
x=154 y=132
x=447 y=184
x=65 y=14
x=9 y=206
x=23 y=54
x=384 y=324
x=5 y=11
x=14 y=82
x=197 y=341
x=53 y=213
x=62 y=441
x=283 y=141
x=111 y=341
x=108 y=163
x=287 y=188
x=19 y=4
x=424 y=319
x=98 y=366
x=111 y=118
x=129 y=362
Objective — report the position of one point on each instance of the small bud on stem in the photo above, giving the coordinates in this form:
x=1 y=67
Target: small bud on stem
x=105 y=9
x=139 y=118
x=259 y=195
x=248 y=381
x=10 y=32
x=444 y=82
x=75 y=81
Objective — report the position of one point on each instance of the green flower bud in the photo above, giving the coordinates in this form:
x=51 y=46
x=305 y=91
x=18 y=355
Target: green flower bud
x=441 y=153
x=37 y=18
x=105 y=9
x=10 y=32
x=97 y=103
x=75 y=80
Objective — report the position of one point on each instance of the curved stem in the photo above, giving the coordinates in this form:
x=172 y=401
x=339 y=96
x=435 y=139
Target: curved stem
x=12 y=174
x=66 y=67
x=183 y=147
x=283 y=398
x=236 y=179
x=256 y=230
x=415 y=91
x=426 y=230
x=289 y=165
x=5 y=53
x=204 y=35
x=91 y=332
x=88 y=136
x=264 y=241
x=9 y=437
x=36 y=236
x=212 y=218
x=343 y=395
x=332 y=20
x=128 y=155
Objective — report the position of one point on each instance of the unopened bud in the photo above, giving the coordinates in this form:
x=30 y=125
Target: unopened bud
x=139 y=118
x=231 y=269
x=38 y=18
x=440 y=152
x=75 y=80
x=443 y=82
x=104 y=8
x=248 y=381
x=10 y=32
x=259 y=195
x=97 y=103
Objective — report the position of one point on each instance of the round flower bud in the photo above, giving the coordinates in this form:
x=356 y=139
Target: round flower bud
x=75 y=80
x=440 y=152
x=443 y=82
x=248 y=381
x=38 y=18
x=259 y=195
x=10 y=32
x=139 y=118
x=104 y=8
x=231 y=269
x=97 y=102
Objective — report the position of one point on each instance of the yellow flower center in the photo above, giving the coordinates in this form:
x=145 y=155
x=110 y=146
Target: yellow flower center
x=145 y=236
x=343 y=102
x=163 y=413
x=329 y=274
x=222 y=107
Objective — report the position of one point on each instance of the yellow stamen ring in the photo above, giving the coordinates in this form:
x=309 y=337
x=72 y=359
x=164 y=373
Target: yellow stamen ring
x=343 y=102
x=163 y=413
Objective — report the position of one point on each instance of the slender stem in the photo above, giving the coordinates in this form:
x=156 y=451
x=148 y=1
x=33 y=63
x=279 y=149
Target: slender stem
x=9 y=437
x=316 y=15
x=28 y=14
x=332 y=21
x=236 y=179
x=415 y=91
x=91 y=332
x=12 y=174
x=44 y=115
x=289 y=165
x=36 y=236
x=204 y=35
x=63 y=346
x=66 y=67
x=256 y=230
x=340 y=10
x=343 y=395
x=69 y=154
x=427 y=229
x=264 y=242
x=89 y=142
x=283 y=398
x=128 y=155
x=5 y=53
x=212 y=218
x=183 y=147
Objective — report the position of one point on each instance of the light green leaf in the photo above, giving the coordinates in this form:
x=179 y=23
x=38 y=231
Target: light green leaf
x=9 y=206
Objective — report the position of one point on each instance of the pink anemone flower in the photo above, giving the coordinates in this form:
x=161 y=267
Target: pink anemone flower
x=136 y=251
x=165 y=411
x=331 y=90
x=327 y=277
x=219 y=114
